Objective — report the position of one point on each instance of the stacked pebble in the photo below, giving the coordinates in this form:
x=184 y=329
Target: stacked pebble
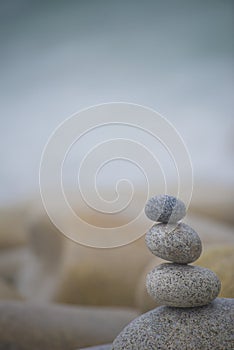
x=190 y=319
x=177 y=284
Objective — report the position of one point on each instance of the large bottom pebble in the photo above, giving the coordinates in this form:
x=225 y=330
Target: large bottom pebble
x=208 y=327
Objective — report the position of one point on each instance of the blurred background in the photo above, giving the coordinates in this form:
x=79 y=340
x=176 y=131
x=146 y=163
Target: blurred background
x=58 y=57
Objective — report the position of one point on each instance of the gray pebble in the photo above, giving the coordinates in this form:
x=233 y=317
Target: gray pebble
x=209 y=328
x=164 y=208
x=182 y=285
x=180 y=243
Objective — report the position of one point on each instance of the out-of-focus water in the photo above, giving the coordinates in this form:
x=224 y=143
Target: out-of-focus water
x=58 y=57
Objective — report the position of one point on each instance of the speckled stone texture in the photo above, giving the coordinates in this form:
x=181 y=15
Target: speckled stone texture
x=204 y=328
x=182 y=285
x=164 y=208
x=178 y=243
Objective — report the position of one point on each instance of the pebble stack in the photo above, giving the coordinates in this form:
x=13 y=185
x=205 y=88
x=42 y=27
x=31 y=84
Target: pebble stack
x=190 y=318
x=177 y=284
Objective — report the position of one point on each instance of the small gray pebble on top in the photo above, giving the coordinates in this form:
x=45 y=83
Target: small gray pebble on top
x=165 y=208
x=180 y=243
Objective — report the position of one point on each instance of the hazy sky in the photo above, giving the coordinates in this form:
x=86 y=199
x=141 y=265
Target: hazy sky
x=58 y=57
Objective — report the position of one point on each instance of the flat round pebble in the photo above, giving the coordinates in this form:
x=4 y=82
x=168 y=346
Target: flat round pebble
x=180 y=243
x=164 y=208
x=209 y=328
x=182 y=285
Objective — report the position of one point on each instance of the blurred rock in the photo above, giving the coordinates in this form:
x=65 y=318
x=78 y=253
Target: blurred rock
x=38 y=276
x=7 y=291
x=213 y=200
x=60 y=270
x=26 y=326
x=42 y=265
x=210 y=231
x=13 y=226
x=99 y=347
x=11 y=260
x=100 y=277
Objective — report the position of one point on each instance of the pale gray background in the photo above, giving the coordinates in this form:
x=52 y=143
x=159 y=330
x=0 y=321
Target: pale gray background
x=58 y=57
